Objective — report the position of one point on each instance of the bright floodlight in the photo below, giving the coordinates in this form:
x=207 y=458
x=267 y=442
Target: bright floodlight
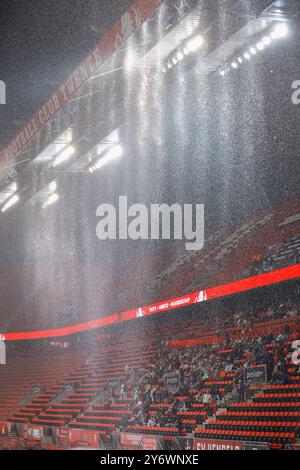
x=253 y=51
x=280 y=31
x=222 y=73
x=247 y=56
x=113 y=154
x=240 y=60
x=174 y=60
x=186 y=51
x=195 y=43
x=234 y=65
x=51 y=200
x=267 y=40
x=11 y=202
x=260 y=46
x=180 y=55
x=52 y=186
x=64 y=156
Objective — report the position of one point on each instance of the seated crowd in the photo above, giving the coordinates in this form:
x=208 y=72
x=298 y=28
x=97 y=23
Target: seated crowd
x=208 y=375
x=173 y=375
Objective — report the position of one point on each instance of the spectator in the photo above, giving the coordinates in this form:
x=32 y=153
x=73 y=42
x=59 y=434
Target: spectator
x=137 y=394
x=151 y=422
x=123 y=391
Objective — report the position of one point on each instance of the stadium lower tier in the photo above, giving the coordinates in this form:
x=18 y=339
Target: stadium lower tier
x=237 y=384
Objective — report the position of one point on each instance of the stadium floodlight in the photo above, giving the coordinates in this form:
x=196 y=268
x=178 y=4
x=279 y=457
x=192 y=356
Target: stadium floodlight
x=113 y=154
x=240 y=60
x=234 y=65
x=222 y=73
x=63 y=156
x=51 y=200
x=52 y=187
x=260 y=46
x=247 y=56
x=180 y=55
x=174 y=60
x=267 y=40
x=169 y=65
x=10 y=202
x=253 y=51
x=195 y=43
x=280 y=31
x=186 y=51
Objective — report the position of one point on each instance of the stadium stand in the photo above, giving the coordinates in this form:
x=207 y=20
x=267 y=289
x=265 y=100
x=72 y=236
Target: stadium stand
x=285 y=254
x=256 y=245
x=261 y=243
x=82 y=390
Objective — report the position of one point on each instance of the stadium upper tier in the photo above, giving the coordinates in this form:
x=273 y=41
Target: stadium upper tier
x=231 y=253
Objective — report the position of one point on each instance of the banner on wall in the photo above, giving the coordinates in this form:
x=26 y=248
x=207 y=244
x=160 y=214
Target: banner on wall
x=62 y=437
x=70 y=437
x=131 y=441
x=149 y=442
x=32 y=432
x=138 y=441
x=214 y=444
x=83 y=437
x=256 y=446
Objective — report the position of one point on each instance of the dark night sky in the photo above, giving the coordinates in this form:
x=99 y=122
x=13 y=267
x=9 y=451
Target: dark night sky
x=41 y=43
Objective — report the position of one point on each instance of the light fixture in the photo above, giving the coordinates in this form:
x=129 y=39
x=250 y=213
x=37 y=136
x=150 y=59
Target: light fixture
x=240 y=60
x=234 y=65
x=52 y=187
x=195 y=43
x=222 y=73
x=63 y=156
x=186 y=51
x=180 y=55
x=174 y=60
x=113 y=154
x=49 y=153
x=280 y=31
x=51 y=200
x=267 y=40
x=253 y=51
x=260 y=46
x=10 y=202
x=247 y=56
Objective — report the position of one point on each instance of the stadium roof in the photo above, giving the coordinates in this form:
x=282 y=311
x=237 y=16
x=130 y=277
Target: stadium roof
x=145 y=37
